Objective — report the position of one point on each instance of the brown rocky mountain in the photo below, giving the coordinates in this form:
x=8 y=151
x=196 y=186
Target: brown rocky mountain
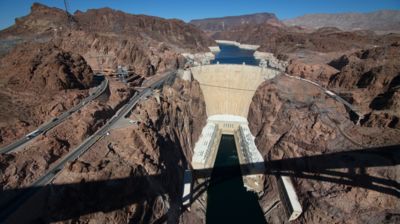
x=134 y=173
x=371 y=79
x=50 y=69
x=230 y=22
x=38 y=81
x=43 y=67
x=383 y=20
x=145 y=43
x=294 y=120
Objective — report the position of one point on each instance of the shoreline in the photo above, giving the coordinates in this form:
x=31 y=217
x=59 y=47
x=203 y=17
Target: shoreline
x=239 y=45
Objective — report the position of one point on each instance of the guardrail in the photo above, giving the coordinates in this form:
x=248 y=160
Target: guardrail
x=54 y=121
x=14 y=202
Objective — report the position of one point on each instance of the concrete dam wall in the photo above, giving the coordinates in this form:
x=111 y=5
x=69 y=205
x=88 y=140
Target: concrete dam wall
x=229 y=89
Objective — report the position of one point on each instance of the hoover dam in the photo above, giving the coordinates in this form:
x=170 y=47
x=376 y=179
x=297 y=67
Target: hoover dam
x=228 y=90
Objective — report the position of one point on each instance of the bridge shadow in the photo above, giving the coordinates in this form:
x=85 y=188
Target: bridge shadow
x=72 y=200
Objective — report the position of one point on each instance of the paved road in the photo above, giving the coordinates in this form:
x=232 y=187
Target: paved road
x=13 y=203
x=53 y=122
x=330 y=94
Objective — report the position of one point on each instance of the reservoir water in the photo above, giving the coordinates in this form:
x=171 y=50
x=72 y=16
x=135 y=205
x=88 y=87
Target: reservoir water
x=231 y=54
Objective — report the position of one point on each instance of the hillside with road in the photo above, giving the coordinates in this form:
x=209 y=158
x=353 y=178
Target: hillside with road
x=112 y=117
x=38 y=83
x=107 y=38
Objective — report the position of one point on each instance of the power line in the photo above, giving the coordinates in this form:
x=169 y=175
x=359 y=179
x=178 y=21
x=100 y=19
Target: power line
x=70 y=20
x=226 y=87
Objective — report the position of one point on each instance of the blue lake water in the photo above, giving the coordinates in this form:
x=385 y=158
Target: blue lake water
x=231 y=54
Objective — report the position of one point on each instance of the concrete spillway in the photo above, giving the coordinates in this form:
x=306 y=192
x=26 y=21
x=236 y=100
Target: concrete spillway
x=229 y=89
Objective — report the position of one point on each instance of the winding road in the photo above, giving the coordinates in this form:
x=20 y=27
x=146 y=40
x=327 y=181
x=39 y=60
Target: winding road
x=330 y=94
x=13 y=203
x=15 y=146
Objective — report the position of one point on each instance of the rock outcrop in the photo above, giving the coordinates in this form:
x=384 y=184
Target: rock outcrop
x=44 y=68
x=371 y=79
x=135 y=173
x=291 y=119
x=284 y=40
x=39 y=81
x=107 y=38
x=21 y=168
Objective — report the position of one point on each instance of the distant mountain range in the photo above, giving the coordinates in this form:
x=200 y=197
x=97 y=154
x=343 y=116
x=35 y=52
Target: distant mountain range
x=229 y=22
x=383 y=20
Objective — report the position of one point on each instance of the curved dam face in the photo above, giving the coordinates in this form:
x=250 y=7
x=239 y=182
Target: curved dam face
x=229 y=88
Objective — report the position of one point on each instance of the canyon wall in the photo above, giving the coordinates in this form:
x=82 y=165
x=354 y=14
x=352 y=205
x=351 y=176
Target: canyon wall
x=299 y=126
x=107 y=38
x=135 y=173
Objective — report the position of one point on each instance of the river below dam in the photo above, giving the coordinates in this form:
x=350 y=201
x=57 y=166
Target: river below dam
x=231 y=54
x=228 y=200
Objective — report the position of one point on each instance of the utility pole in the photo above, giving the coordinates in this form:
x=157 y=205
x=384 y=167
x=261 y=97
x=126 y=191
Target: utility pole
x=69 y=16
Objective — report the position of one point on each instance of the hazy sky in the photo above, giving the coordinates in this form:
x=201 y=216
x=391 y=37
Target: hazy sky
x=190 y=9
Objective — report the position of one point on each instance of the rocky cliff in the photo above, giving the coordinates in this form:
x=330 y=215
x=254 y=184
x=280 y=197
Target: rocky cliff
x=292 y=119
x=38 y=82
x=43 y=63
x=107 y=38
x=371 y=80
x=44 y=68
x=135 y=173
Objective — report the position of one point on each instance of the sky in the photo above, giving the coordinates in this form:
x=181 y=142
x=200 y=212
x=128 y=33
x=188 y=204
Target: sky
x=189 y=9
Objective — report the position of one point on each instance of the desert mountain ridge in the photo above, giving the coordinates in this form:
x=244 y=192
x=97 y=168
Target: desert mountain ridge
x=229 y=22
x=381 y=20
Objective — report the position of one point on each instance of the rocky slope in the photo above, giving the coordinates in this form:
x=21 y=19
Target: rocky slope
x=104 y=38
x=371 y=80
x=231 y=22
x=38 y=82
x=134 y=175
x=291 y=119
x=21 y=168
x=383 y=20
x=107 y=38
x=368 y=79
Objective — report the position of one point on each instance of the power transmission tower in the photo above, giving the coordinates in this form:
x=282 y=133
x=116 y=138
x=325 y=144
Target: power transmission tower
x=70 y=20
